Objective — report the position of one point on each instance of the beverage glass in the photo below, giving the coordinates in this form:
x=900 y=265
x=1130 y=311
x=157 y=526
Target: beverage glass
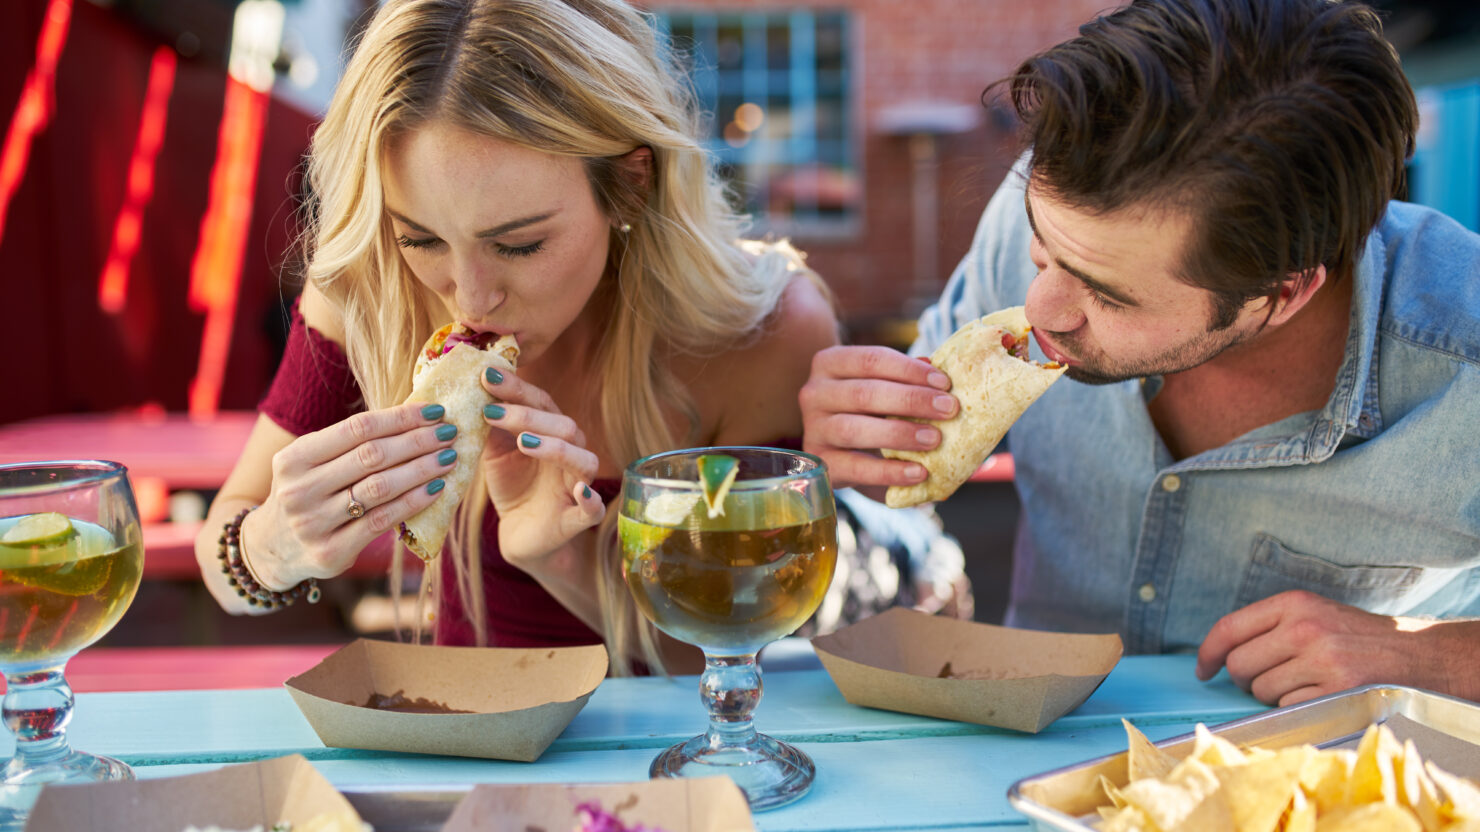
x=71 y=555
x=729 y=584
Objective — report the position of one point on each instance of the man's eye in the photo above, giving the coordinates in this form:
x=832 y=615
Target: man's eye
x=1102 y=302
x=419 y=242
x=521 y=251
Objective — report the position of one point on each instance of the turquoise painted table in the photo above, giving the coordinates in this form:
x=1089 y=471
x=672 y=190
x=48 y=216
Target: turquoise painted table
x=876 y=770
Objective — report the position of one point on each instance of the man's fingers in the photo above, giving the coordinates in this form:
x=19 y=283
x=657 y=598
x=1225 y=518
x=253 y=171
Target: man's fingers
x=866 y=433
x=1233 y=630
x=877 y=363
x=855 y=468
x=878 y=398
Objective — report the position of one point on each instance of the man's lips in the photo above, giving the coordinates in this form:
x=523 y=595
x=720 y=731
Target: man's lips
x=1051 y=351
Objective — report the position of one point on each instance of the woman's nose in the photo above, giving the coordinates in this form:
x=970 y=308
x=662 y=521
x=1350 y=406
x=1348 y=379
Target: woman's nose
x=478 y=292
x=1053 y=302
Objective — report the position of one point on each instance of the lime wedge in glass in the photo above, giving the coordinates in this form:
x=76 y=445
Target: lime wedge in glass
x=47 y=528
x=717 y=473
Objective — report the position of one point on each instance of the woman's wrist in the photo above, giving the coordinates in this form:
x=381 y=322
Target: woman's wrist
x=250 y=584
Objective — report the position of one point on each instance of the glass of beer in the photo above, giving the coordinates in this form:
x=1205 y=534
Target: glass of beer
x=729 y=563
x=71 y=554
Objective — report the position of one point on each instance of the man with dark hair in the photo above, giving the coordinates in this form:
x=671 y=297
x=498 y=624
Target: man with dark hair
x=1270 y=455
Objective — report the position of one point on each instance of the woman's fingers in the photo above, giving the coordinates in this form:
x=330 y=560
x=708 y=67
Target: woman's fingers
x=315 y=449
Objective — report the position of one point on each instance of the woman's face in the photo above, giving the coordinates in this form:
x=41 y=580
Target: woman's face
x=510 y=238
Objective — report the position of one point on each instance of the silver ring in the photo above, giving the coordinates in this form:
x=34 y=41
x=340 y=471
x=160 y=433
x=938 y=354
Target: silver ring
x=355 y=509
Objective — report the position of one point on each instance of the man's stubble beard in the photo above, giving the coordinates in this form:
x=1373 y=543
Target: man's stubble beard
x=1201 y=349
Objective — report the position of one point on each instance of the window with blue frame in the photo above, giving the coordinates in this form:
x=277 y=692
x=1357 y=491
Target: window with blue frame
x=776 y=89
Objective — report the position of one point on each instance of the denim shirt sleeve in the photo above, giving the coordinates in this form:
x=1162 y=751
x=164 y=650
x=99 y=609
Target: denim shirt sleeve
x=995 y=272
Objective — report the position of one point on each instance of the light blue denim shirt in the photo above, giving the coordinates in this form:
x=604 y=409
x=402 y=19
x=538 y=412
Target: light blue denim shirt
x=1373 y=501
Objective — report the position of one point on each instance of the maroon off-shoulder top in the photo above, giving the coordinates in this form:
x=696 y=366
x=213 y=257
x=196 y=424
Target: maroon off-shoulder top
x=313 y=389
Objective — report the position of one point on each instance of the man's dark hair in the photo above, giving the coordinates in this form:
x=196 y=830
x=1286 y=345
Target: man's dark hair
x=1280 y=126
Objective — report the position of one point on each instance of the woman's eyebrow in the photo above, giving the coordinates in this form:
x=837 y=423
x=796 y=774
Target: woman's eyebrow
x=496 y=231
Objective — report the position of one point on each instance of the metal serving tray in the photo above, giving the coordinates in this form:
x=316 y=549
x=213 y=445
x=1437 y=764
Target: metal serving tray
x=1443 y=728
x=406 y=810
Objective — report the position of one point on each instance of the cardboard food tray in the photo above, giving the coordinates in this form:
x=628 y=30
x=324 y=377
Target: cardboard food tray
x=519 y=699
x=235 y=797
x=1445 y=730
x=1000 y=676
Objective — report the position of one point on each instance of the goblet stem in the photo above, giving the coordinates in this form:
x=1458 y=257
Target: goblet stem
x=37 y=708
x=730 y=688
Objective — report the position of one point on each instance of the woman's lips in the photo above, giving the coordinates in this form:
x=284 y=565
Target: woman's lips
x=1050 y=351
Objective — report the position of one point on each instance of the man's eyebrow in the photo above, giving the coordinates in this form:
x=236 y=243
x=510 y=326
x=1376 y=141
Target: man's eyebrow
x=496 y=231
x=1098 y=286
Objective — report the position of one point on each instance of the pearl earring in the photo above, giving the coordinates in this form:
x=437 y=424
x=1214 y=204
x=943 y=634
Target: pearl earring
x=625 y=227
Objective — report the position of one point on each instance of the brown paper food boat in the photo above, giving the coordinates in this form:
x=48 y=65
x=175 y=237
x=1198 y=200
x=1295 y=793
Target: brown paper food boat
x=902 y=660
x=703 y=804
x=518 y=700
x=235 y=797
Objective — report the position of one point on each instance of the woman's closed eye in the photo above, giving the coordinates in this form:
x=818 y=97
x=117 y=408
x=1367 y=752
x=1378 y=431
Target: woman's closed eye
x=416 y=242
x=521 y=251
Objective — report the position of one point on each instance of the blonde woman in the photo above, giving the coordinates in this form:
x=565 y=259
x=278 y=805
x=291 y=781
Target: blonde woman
x=525 y=167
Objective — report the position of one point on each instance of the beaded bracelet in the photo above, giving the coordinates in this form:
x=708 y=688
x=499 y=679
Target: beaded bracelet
x=239 y=574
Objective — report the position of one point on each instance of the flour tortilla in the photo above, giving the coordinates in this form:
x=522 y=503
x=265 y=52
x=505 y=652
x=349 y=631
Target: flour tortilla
x=453 y=381
x=994 y=388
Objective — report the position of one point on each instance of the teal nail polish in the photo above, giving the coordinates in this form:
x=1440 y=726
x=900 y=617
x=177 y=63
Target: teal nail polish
x=446 y=432
x=493 y=411
x=586 y=491
x=494 y=376
x=529 y=440
x=447 y=457
x=432 y=412
x=436 y=485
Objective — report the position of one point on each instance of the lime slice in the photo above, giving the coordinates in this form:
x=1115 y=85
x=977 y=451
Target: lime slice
x=73 y=578
x=47 y=528
x=717 y=473
x=670 y=508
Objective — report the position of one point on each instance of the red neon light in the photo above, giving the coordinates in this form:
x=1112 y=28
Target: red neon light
x=216 y=272
x=36 y=104
x=113 y=286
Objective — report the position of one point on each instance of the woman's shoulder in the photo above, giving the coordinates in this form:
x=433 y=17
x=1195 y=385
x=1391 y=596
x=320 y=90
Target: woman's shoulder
x=754 y=386
x=320 y=315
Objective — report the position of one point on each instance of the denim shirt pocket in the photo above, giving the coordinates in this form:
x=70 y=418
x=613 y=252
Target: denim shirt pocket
x=1386 y=590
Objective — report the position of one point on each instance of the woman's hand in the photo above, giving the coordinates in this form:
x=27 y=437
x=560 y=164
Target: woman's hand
x=384 y=460
x=538 y=471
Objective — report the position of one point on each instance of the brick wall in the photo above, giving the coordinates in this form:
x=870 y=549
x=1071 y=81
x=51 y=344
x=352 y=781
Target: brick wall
x=912 y=52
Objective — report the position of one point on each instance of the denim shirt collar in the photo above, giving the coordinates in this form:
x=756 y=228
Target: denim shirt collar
x=1352 y=409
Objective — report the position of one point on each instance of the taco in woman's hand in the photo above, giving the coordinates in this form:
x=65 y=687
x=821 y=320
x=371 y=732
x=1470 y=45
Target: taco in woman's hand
x=995 y=381
x=447 y=373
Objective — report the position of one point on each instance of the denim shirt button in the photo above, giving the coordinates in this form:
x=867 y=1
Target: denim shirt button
x=1171 y=482
x=1147 y=593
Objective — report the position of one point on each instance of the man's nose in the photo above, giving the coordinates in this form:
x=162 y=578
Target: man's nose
x=1053 y=304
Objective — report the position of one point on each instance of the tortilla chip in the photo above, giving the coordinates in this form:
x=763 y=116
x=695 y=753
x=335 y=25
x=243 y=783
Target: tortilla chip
x=1372 y=779
x=993 y=387
x=453 y=381
x=1143 y=758
x=1463 y=796
x=1369 y=817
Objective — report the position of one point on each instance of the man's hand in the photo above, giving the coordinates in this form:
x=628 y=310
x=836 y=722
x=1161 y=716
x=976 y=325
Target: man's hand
x=844 y=403
x=1297 y=645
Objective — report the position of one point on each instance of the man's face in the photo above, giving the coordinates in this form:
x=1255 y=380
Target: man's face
x=1107 y=301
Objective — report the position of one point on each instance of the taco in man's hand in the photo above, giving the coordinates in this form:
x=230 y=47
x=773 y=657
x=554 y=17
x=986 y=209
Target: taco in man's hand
x=995 y=381
x=448 y=373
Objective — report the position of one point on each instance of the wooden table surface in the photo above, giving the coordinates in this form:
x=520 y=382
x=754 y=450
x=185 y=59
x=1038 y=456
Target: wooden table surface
x=182 y=452
x=877 y=770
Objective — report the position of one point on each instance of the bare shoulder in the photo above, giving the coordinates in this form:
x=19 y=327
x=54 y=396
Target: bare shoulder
x=754 y=389
x=321 y=315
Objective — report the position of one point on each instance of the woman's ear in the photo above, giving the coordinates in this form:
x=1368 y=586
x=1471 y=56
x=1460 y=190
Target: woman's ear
x=636 y=167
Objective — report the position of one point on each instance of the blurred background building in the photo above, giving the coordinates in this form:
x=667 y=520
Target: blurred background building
x=151 y=167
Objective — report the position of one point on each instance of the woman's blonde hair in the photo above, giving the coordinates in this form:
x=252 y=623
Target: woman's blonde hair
x=580 y=78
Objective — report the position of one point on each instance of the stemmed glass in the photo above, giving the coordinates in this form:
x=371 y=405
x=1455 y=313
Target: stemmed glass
x=71 y=554
x=729 y=579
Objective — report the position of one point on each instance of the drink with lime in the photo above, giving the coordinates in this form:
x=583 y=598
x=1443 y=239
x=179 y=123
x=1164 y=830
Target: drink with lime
x=729 y=549
x=71 y=554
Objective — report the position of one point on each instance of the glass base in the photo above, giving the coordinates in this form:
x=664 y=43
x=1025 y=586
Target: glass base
x=770 y=772
x=19 y=789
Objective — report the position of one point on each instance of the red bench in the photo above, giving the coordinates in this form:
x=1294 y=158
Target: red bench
x=190 y=668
